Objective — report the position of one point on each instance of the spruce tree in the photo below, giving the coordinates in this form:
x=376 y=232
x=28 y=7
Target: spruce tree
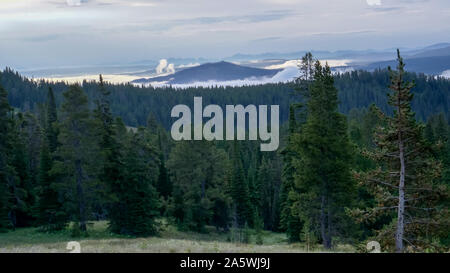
x=139 y=197
x=269 y=177
x=289 y=220
x=5 y=140
x=406 y=181
x=197 y=169
x=152 y=124
x=51 y=215
x=19 y=182
x=164 y=186
x=75 y=166
x=51 y=129
x=111 y=173
x=30 y=133
x=323 y=184
x=239 y=189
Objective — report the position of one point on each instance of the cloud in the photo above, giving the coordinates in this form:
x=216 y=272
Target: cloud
x=76 y=3
x=386 y=9
x=374 y=2
x=123 y=31
x=73 y=2
x=188 y=65
x=273 y=38
x=266 y=16
x=170 y=69
x=43 y=38
x=286 y=64
x=165 y=67
x=162 y=64
x=286 y=75
x=446 y=74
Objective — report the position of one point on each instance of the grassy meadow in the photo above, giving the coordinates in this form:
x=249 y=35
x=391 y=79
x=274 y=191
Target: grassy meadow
x=169 y=240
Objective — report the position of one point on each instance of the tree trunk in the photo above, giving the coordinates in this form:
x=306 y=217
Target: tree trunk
x=401 y=199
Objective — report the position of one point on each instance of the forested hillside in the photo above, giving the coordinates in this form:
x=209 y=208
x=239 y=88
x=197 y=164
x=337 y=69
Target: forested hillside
x=134 y=104
x=356 y=162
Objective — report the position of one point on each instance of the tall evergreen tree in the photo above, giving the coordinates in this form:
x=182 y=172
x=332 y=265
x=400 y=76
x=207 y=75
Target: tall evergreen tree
x=197 y=169
x=20 y=187
x=51 y=129
x=269 y=180
x=75 y=165
x=111 y=173
x=290 y=221
x=5 y=140
x=138 y=195
x=30 y=132
x=405 y=183
x=323 y=185
x=239 y=189
x=164 y=185
x=51 y=215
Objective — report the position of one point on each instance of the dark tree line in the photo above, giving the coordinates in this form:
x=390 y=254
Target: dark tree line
x=357 y=89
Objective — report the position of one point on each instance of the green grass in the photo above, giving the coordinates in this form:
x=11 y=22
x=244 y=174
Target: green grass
x=97 y=230
x=169 y=240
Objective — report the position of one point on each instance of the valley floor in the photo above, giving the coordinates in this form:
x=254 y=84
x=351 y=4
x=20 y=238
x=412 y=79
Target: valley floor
x=169 y=240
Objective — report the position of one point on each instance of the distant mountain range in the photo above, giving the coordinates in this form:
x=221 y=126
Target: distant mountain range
x=444 y=51
x=433 y=61
x=220 y=71
x=435 y=65
x=359 y=56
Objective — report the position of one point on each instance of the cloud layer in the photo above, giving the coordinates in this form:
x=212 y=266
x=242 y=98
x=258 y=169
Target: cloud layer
x=164 y=67
x=373 y=2
x=42 y=33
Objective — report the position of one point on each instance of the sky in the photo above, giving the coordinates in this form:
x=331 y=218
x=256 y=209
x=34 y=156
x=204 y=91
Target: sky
x=52 y=33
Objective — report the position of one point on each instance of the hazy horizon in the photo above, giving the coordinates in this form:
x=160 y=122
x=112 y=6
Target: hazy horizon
x=44 y=33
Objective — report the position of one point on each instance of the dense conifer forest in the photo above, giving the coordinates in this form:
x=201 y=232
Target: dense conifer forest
x=363 y=156
x=357 y=90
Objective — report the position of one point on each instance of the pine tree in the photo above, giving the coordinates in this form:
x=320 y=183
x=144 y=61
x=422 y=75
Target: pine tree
x=51 y=215
x=139 y=197
x=290 y=221
x=51 y=130
x=164 y=186
x=239 y=189
x=5 y=140
x=13 y=168
x=75 y=166
x=323 y=185
x=440 y=130
x=30 y=133
x=20 y=188
x=406 y=181
x=429 y=132
x=152 y=124
x=197 y=169
x=111 y=173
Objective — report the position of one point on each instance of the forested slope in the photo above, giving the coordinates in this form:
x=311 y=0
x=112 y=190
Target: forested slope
x=356 y=90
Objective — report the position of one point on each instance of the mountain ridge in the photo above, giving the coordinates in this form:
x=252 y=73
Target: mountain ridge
x=216 y=71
